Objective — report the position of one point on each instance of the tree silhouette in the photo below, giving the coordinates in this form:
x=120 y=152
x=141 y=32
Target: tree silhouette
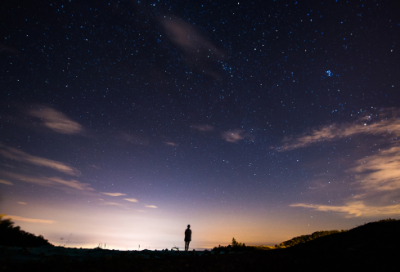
x=236 y=243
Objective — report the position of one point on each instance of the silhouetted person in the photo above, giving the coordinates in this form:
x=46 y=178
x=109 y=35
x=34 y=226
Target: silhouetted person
x=188 y=237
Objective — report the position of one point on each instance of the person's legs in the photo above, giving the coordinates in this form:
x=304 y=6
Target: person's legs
x=186 y=245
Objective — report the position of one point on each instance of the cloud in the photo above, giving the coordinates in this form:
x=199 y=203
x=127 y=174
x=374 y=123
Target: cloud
x=389 y=125
x=356 y=209
x=197 y=50
x=50 y=182
x=30 y=220
x=56 y=121
x=235 y=135
x=2 y=181
x=380 y=172
x=114 y=194
x=378 y=183
x=377 y=176
x=18 y=155
x=170 y=143
x=114 y=204
x=131 y=199
x=151 y=206
x=71 y=183
x=111 y=203
x=22 y=203
x=204 y=128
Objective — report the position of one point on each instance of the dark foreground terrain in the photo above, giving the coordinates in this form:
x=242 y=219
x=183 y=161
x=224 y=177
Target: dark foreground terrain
x=371 y=247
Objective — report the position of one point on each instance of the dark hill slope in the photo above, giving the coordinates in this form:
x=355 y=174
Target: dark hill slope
x=14 y=236
x=371 y=247
x=306 y=238
x=381 y=234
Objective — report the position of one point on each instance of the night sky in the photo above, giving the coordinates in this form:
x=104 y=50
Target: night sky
x=123 y=121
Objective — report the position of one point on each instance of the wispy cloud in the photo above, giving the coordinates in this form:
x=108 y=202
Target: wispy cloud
x=56 y=121
x=131 y=199
x=356 y=209
x=170 y=143
x=235 y=135
x=114 y=204
x=21 y=203
x=380 y=172
x=377 y=176
x=111 y=203
x=30 y=220
x=151 y=206
x=18 y=155
x=183 y=34
x=204 y=128
x=71 y=183
x=376 y=187
x=198 y=51
x=388 y=125
x=95 y=167
x=114 y=194
x=50 y=182
x=6 y=182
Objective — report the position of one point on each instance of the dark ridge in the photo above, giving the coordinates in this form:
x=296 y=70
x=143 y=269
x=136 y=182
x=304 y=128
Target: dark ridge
x=11 y=235
x=383 y=233
x=371 y=247
x=307 y=238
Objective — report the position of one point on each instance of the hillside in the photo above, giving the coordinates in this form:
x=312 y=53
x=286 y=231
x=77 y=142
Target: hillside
x=307 y=238
x=380 y=234
x=371 y=247
x=11 y=235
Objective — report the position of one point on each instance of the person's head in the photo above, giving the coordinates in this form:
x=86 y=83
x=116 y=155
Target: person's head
x=188 y=226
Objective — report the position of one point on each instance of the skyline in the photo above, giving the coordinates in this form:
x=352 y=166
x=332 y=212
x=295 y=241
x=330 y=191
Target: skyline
x=122 y=122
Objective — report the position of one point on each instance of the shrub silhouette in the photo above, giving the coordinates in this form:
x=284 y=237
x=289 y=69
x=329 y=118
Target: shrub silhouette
x=235 y=246
x=14 y=236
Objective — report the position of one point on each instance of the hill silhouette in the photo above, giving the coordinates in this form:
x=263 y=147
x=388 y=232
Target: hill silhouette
x=383 y=233
x=370 y=247
x=11 y=235
x=306 y=238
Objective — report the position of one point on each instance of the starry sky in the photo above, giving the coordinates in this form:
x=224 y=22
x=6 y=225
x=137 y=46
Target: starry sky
x=123 y=121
